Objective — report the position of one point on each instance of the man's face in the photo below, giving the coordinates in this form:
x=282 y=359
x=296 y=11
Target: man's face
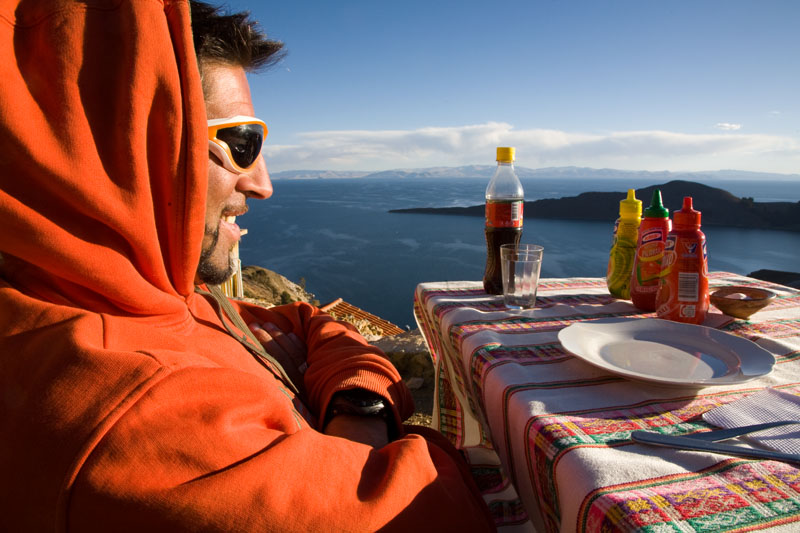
x=227 y=95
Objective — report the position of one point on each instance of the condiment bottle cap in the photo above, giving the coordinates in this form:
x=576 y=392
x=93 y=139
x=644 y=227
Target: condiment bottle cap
x=687 y=216
x=656 y=209
x=630 y=206
x=505 y=154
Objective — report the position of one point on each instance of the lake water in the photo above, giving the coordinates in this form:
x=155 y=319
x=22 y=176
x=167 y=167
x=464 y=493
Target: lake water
x=338 y=235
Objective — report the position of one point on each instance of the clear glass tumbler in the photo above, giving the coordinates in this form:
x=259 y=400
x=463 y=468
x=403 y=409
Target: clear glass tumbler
x=521 y=264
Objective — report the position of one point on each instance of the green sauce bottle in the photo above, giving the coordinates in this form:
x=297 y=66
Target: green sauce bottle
x=623 y=247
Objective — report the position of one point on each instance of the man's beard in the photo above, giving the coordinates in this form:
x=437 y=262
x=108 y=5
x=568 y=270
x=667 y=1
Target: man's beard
x=207 y=272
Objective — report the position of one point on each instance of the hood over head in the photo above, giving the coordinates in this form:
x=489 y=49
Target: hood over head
x=103 y=165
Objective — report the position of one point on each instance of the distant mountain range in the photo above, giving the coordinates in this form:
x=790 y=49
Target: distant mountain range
x=718 y=207
x=486 y=171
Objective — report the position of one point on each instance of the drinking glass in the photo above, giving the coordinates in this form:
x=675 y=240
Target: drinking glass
x=521 y=264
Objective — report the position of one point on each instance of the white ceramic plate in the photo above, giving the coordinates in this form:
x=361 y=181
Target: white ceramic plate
x=665 y=352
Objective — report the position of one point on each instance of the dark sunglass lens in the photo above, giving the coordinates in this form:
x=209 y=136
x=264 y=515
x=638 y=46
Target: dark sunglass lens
x=244 y=142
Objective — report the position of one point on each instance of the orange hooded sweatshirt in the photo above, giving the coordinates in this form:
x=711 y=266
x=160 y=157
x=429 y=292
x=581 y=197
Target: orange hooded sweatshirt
x=125 y=405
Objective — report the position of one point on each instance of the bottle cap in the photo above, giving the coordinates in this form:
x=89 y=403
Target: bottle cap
x=505 y=154
x=630 y=206
x=656 y=209
x=687 y=216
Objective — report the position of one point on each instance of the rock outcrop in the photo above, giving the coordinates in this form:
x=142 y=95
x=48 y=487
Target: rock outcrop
x=790 y=279
x=270 y=288
x=409 y=354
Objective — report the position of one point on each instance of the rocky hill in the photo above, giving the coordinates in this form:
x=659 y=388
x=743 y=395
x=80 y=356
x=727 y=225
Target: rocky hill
x=270 y=288
x=719 y=207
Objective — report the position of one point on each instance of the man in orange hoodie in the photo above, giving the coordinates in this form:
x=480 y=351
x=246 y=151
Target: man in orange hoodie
x=227 y=47
x=131 y=402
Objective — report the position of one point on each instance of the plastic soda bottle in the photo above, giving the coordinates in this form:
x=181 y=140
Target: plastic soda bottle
x=623 y=247
x=504 y=205
x=649 y=250
x=683 y=289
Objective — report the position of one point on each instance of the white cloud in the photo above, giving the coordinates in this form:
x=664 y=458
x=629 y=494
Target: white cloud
x=475 y=144
x=727 y=126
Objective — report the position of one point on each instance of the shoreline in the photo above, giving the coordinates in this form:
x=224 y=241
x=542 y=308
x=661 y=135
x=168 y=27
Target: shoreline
x=719 y=207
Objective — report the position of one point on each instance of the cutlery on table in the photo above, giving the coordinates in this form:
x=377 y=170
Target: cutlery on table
x=708 y=442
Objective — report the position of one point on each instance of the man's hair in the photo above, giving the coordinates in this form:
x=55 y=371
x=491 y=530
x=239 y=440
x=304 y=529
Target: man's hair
x=231 y=39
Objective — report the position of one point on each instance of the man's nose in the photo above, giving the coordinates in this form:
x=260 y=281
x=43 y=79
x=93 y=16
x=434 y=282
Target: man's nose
x=255 y=183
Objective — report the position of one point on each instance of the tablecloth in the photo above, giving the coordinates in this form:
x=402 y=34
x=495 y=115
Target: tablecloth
x=548 y=435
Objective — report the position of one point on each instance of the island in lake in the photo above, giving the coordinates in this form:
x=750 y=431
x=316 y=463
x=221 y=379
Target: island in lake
x=719 y=207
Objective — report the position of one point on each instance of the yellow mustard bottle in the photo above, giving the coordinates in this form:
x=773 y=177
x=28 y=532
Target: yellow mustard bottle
x=623 y=247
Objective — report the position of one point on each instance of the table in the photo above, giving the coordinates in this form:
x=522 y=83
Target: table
x=523 y=410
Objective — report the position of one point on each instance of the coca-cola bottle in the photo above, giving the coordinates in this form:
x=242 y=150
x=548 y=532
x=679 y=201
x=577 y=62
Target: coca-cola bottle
x=504 y=205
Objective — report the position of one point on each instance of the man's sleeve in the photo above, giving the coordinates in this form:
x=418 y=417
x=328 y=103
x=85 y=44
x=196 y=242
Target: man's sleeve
x=339 y=357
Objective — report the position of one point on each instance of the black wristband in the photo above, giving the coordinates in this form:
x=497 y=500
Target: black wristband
x=360 y=402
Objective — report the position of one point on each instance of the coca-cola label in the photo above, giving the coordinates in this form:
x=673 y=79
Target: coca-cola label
x=504 y=214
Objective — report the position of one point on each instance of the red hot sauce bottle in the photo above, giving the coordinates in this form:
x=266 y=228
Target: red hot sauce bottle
x=683 y=288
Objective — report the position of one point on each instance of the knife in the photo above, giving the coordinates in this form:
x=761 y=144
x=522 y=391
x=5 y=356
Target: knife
x=698 y=444
x=725 y=434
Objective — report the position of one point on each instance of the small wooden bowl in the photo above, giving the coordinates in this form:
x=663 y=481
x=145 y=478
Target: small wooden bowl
x=742 y=306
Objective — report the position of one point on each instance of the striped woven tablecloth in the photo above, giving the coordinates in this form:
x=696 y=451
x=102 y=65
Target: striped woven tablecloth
x=525 y=411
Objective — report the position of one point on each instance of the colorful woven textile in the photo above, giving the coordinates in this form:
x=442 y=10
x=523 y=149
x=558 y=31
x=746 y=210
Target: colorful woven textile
x=522 y=408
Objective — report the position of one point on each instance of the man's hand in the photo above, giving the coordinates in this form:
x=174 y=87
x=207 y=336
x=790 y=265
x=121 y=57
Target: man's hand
x=287 y=348
x=369 y=430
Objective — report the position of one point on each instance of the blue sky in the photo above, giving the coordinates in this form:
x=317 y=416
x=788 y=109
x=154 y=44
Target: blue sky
x=636 y=85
